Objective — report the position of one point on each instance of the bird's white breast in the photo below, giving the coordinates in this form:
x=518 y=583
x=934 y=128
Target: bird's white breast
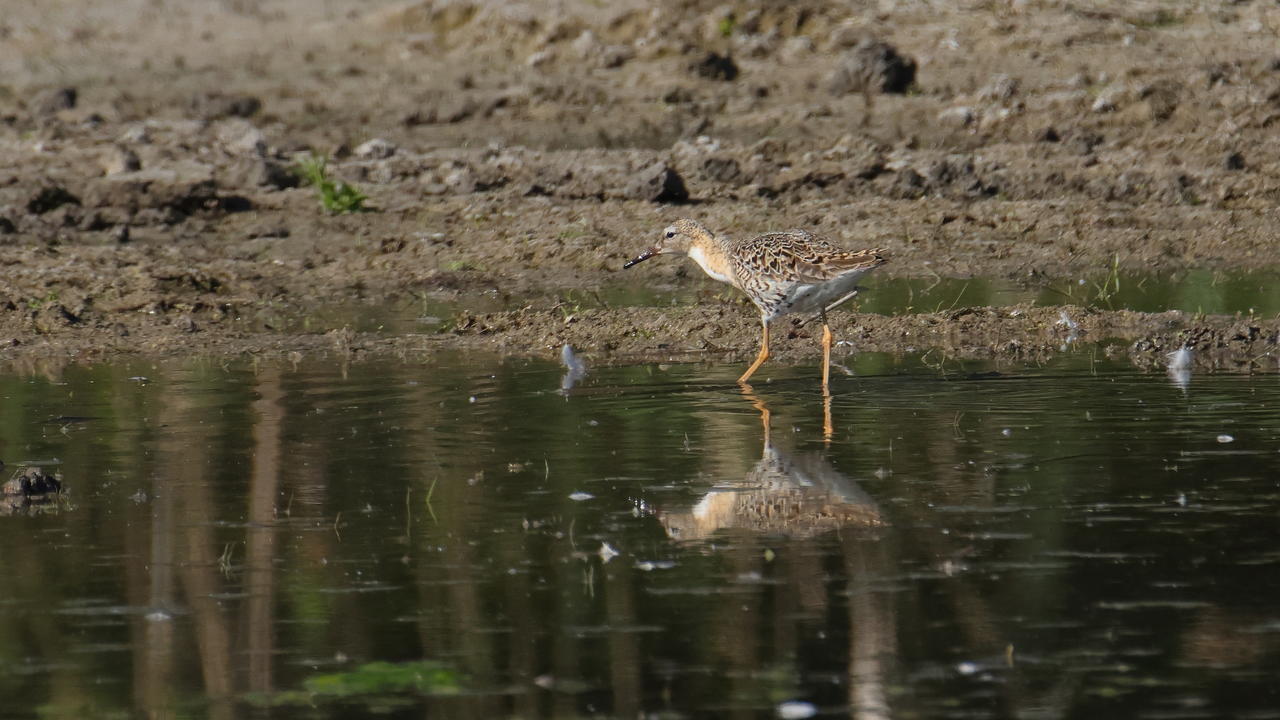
x=704 y=262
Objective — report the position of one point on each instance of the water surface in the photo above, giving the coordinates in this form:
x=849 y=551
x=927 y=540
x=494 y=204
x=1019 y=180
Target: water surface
x=463 y=539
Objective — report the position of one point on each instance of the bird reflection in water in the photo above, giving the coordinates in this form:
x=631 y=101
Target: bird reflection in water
x=785 y=493
x=816 y=514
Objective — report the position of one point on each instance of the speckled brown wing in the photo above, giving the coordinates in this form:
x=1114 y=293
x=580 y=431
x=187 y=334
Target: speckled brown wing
x=798 y=256
x=795 y=271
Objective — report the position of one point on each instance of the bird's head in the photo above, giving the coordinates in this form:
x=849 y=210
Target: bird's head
x=676 y=239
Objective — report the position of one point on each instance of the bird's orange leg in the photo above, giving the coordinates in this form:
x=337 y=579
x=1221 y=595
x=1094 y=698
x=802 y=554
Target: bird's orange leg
x=764 y=354
x=827 y=429
x=826 y=358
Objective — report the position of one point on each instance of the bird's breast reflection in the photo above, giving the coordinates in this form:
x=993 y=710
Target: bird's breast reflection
x=798 y=494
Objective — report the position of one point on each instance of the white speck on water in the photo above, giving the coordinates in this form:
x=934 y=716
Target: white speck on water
x=651 y=565
x=1006 y=432
x=580 y=496
x=607 y=552
x=158 y=616
x=472 y=399
x=1226 y=438
x=967 y=668
x=796 y=710
x=575 y=368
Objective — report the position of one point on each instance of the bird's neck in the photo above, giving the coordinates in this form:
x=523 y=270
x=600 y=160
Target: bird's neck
x=713 y=260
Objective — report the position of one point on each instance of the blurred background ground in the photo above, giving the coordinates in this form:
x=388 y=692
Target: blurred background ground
x=149 y=196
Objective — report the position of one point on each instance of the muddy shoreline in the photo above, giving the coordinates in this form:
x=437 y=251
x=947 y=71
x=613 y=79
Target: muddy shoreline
x=724 y=333
x=151 y=204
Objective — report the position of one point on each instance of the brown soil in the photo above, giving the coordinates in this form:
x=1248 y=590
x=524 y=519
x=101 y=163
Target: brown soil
x=148 y=202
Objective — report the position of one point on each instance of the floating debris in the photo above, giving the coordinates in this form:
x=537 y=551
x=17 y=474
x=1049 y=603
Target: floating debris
x=31 y=489
x=607 y=552
x=580 y=496
x=1073 y=329
x=33 y=481
x=1179 y=368
x=576 y=369
x=1226 y=438
x=796 y=710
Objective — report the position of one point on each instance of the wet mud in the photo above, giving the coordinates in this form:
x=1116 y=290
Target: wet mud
x=150 y=198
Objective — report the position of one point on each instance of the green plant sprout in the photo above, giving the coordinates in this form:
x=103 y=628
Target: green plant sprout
x=336 y=197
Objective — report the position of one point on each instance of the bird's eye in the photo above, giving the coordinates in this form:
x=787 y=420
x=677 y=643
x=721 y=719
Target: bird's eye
x=671 y=234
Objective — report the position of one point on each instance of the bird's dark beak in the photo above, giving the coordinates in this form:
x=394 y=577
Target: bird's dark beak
x=640 y=258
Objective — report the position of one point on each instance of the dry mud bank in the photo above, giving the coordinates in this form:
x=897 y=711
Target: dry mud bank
x=149 y=200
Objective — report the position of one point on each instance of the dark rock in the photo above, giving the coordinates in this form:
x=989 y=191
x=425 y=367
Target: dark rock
x=121 y=234
x=94 y=221
x=120 y=160
x=448 y=112
x=230 y=204
x=1049 y=135
x=819 y=176
x=213 y=106
x=1082 y=142
x=268 y=231
x=66 y=215
x=7 y=226
x=958 y=176
x=716 y=67
x=50 y=198
x=1162 y=98
x=1234 y=161
x=175 y=192
x=657 y=183
x=907 y=184
x=260 y=172
x=53 y=102
x=678 y=96
x=615 y=56
x=722 y=169
x=872 y=66
x=154 y=187
x=695 y=127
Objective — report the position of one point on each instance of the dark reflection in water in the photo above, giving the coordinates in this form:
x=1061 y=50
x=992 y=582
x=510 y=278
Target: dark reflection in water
x=472 y=539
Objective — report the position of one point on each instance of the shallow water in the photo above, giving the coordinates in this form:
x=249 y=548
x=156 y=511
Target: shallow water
x=1197 y=291
x=463 y=538
x=1213 y=293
